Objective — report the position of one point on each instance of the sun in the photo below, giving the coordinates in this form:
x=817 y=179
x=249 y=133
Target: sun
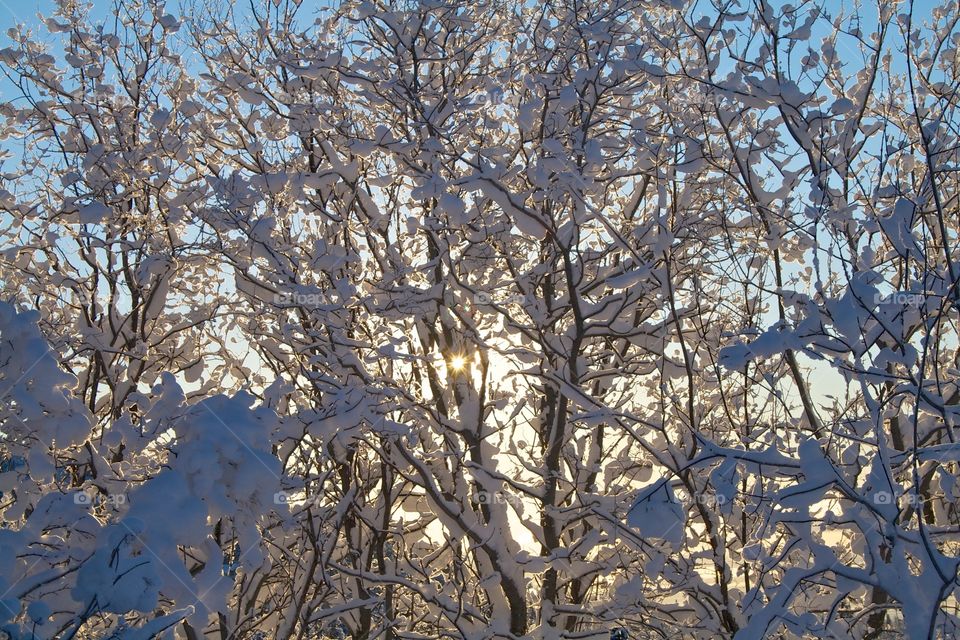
x=458 y=363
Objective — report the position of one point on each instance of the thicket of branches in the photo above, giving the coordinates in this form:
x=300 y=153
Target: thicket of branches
x=490 y=319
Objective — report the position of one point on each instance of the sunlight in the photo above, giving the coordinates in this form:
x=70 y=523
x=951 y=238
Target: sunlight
x=458 y=363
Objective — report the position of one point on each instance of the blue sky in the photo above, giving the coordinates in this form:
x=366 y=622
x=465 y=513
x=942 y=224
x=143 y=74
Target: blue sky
x=25 y=11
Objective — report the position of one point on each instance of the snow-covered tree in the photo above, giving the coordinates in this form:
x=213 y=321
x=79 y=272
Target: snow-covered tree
x=481 y=320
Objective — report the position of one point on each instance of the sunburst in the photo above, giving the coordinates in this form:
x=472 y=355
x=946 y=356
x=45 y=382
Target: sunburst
x=458 y=363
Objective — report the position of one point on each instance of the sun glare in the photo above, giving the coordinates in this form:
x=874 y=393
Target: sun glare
x=457 y=363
